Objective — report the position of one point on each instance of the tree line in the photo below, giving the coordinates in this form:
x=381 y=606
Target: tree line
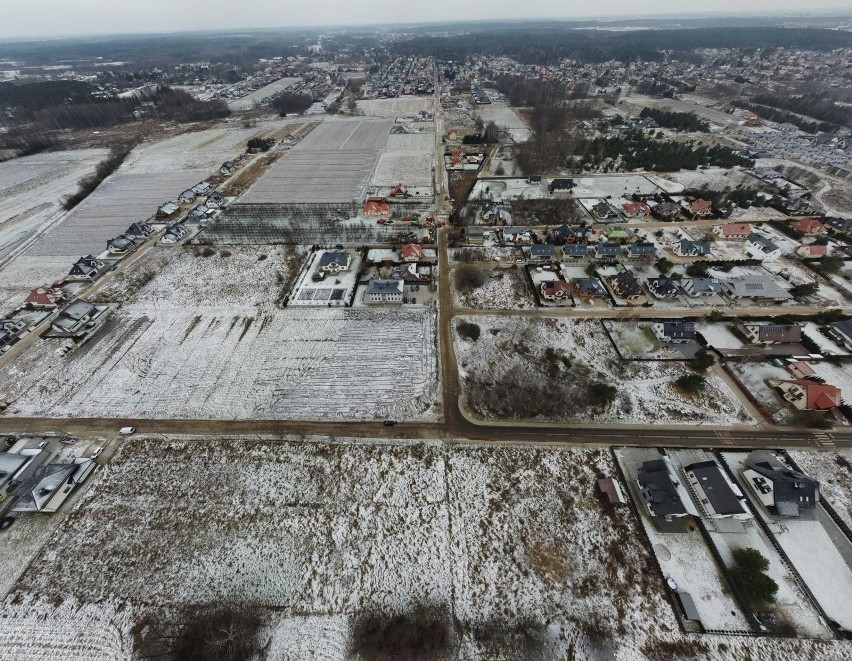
x=818 y=106
x=782 y=117
x=681 y=121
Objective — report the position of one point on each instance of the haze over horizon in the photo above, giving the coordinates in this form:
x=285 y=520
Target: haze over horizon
x=66 y=18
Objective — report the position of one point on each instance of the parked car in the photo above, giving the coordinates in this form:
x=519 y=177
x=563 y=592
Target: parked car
x=390 y=423
x=97 y=452
x=67 y=440
x=127 y=431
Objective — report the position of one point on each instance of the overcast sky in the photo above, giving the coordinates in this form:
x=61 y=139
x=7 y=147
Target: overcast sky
x=24 y=18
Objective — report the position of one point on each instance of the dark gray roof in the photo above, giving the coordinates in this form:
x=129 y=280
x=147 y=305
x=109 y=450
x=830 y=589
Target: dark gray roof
x=843 y=327
x=329 y=258
x=608 y=249
x=542 y=250
x=643 y=248
x=791 y=489
x=679 y=330
x=385 y=287
x=765 y=244
x=663 y=286
x=702 y=285
x=690 y=612
x=561 y=184
x=722 y=498
x=658 y=491
x=78 y=309
x=575 y=249
x=589 y=286
x=695 y=247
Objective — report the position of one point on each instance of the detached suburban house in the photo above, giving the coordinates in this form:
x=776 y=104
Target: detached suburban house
x=170 y=208
x=174 y=233
x=604 y=211
x=411 y=252
x=121 y=244
x=841 y=332
x=50 y=485
x=227 y=168
x=139 y=231
x=560 y=186
x=658 y=489
x=384 y=291
x=375 y=206
x=717 y=496
x=588 y=288
x=625 y=285
x=663 y=287
x=772 y=333
x=516 y=234
x=757 y=287
x=807 y=395
x=334 y=262
x=556 y=290
x=692 y=248
x=781 y=490
x=737 y=231
x=809 y=226
x=701 y=208
x=607 y=250
x=187 y=197
x=86 y=267
x=575 y=251
x=666 y=211
x=635 y=209
x=74 y=319
x=46 y=296
x=641 y=250
x=674 y=332
x=542 y=252
x=759 y=247
x=701 y=286
x=10 y=331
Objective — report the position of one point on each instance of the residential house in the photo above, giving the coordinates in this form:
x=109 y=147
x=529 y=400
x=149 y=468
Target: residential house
x=170 y=208
x=11 y=329
x=647 y=124
x=625 y=285
x=560 y=186
x=74 y=318
x=783 y=491
x=475 y=235
x=542 y=252
x=174 y=233
x=46 y=296
x=567 y=234
x=809 y=226
x=641 y=250
x=841 y=332
x=701 y=286
x=663 y=287
x=411 y=252
x=807 y=395
x=556 y=290
x=635 y=209
x=701 y=208
x=516 y=235
x=202 y=188
x=588 y=288
x=534 y=179
x=384 y=291
x=666 y=211
x=198 y=213
x=121 y=244
x=771 y=333
x=758 y=287
x=733 y=231
x=688 y=248
x=227 y=168
x=839 y=224
x=575 y=251
x=12 y=465
x=604 y=210
x=406 y=272
x=658 y=488
x=759 y=247
x=49 y=485
x=86 y=267
x=139 y=231
x=334 y=262
x=717 y=495
x=608 y=251
x=187 y=197
x=674 y=332
x=215 y=200
x=812 y=250
x=376 y=206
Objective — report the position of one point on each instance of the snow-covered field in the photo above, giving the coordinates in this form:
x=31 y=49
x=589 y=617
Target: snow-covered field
x=827 y=346
x=613 y=186
x=32 y=189
x=393 y=108
x=516 y=543
x=506 y=118
x=332 y=164
x=507 y=371
x=205 y=328
x=260 y=95
x=754 y=376
x=509 y=292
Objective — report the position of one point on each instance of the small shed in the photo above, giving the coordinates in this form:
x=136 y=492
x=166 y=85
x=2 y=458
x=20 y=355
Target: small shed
x=613 y=491
x=687 y=606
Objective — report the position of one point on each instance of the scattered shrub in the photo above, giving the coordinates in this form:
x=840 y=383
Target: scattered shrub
x=468 y=330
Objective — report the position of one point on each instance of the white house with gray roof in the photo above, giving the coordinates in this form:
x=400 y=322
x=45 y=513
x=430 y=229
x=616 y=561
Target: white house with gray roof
x=384 y=291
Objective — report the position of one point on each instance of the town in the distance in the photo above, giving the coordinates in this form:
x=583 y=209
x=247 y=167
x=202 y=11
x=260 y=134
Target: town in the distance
x=487 y=340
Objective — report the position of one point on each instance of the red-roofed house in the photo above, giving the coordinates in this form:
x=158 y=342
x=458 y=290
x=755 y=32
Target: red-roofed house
x=411 y=252
x=636 y=209
x=701 y=208
x=813 y=250
x=376 y=206
x=556 y=290
x=46 y=296
x=733 y=230
x=810 y=226
x=809 y=395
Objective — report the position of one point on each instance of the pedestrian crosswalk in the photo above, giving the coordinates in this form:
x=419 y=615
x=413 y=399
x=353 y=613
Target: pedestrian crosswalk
x=824 y=439
x=725 y=437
